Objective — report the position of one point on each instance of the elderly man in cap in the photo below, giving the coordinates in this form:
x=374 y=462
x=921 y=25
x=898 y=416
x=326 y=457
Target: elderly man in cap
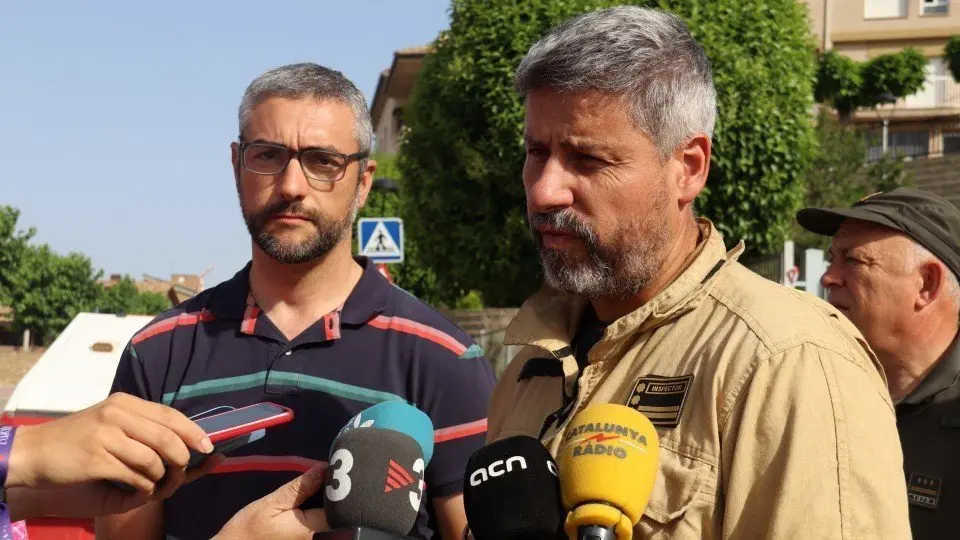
x=893 y=272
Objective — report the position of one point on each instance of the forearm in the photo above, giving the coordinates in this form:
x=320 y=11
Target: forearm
x=24 y=457
x=24 y=503
x=144 y=523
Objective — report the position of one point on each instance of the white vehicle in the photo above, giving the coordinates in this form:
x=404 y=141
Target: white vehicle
x=75 y=372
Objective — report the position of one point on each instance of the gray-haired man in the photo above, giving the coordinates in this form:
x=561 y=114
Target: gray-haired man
x=305 y=325
x=773 y=416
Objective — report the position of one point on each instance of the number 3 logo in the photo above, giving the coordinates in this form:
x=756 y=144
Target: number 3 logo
x=341 y=462
x=416 y=498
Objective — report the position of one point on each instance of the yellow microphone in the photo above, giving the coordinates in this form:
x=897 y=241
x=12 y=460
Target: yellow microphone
x=608 y=465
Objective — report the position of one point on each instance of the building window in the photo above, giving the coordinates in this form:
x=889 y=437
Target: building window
x=934 y=91
x=951 y=143
x=884 y=9
x=931 y=7
x=914 y=143
x=398 y=119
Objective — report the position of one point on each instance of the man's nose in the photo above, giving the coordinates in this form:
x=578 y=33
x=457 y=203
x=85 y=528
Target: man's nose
x=549 y=187
x=292 y=183
x=831 y=278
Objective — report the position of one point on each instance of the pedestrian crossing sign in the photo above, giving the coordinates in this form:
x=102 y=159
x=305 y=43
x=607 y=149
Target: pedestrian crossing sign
x=381 y=239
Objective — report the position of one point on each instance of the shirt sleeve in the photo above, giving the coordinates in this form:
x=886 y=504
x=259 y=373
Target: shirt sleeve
x=813 y=452
x=456 y=394
x=130 y=377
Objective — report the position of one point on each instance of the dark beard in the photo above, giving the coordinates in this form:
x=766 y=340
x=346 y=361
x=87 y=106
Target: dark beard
x=327 y=232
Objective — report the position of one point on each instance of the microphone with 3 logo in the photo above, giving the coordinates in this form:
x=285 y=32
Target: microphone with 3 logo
x=374 y=484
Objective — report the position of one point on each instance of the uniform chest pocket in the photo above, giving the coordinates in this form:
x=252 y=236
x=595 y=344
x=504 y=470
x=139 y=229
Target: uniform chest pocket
x=681 y=482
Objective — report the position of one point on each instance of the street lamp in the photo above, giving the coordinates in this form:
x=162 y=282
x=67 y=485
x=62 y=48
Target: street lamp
x=385 y=185
x=884 y=114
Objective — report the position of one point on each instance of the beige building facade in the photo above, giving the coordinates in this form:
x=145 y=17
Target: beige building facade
x=926 y=124
x=394 y=89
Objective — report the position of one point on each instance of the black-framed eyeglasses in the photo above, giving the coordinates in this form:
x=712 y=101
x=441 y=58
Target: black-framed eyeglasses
x=317 y=164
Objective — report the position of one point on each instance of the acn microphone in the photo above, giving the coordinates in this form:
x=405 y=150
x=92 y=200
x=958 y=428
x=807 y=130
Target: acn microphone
x=608 y=466
x=511 y=492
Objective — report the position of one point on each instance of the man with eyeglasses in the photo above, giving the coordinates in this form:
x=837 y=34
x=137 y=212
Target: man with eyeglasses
x=305 y=324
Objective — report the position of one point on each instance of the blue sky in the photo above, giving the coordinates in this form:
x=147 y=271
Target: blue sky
x=116 y=117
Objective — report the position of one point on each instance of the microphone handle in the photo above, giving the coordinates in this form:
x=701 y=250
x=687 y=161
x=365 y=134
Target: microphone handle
x=595 y=532
x=357 y=533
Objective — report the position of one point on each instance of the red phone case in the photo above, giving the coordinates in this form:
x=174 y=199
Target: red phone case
x=242 y=429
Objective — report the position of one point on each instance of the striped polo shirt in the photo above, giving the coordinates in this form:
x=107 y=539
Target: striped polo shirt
x=219 y=349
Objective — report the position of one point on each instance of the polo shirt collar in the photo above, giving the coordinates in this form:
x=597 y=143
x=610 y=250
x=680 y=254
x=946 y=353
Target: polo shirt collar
x=232 y=299
x=943 y=376
x=369 y=297
x=229 y=299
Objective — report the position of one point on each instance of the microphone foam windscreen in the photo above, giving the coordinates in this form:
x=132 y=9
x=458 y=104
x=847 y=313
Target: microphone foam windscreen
x=610 y=455
x=397 y=416
x=375 y=479
x=511 y=491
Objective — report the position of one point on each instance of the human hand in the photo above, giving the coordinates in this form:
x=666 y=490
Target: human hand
x=123 y=439
x=277 y=516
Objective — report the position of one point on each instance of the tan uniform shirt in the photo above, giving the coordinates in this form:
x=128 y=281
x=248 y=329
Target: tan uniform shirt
x=774 y=417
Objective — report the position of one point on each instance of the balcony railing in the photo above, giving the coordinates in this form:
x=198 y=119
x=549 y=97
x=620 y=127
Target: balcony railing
x=939 y=91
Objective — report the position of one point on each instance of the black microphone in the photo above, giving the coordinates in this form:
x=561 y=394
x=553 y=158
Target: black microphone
x=374 y=481
x=511 y=491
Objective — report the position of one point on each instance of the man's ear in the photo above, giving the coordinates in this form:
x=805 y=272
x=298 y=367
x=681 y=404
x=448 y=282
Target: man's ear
x=235 y=160
x=693 y=158
x=933 y=283
x=366 y=181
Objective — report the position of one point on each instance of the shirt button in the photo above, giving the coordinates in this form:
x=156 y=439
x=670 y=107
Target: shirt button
x=287 y=353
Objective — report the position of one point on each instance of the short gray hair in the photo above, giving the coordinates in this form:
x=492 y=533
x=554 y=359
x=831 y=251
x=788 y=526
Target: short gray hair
x=645 y=56
x=917 y=255
x=297 y=81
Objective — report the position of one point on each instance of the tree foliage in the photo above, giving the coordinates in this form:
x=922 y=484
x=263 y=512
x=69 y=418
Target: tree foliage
x=839 y=175
x=901 y=74
x=47 y=290
x=848 y=85
x=952 y=54
x=763 y=69
x=839 y=81
x=887 y=173
x=124 y=297
x=52 y=289
x=463 y=199
x=13 y=243
x=411 y=274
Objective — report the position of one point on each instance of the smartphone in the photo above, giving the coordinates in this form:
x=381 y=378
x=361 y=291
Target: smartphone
x=235 y=428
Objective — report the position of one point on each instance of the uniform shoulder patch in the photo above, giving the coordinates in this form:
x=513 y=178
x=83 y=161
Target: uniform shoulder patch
x=924 y=490
x=661 y=399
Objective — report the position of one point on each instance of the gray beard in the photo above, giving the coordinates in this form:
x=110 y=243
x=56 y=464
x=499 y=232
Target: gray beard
x=618 y=269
